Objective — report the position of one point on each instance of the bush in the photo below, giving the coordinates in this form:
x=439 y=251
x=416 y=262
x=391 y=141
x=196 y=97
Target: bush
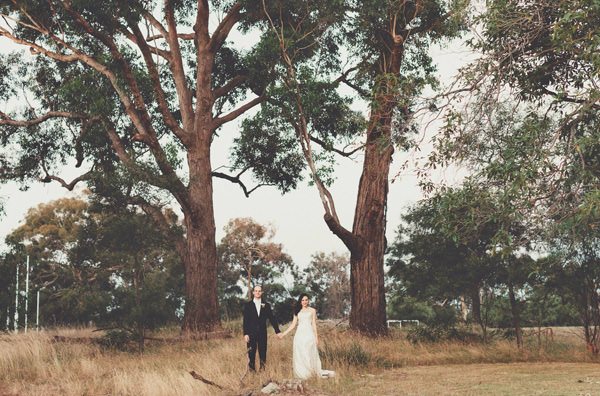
x=120 y=339
x=508 y=333
x=349 y=355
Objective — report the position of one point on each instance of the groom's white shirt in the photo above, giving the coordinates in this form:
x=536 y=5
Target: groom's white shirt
x=257 y=303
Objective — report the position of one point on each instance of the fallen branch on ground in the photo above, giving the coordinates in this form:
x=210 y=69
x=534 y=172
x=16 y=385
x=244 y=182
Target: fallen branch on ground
x=197 y=376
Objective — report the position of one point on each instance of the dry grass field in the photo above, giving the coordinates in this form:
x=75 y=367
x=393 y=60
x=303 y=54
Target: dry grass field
x=34 y=364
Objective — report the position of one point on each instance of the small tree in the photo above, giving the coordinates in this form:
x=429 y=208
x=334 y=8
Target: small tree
x=327 y=280
x=248 y=254
x=573 y=272
x=142 y=266
x=72 y=293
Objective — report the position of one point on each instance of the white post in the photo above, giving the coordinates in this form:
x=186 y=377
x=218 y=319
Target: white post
x=27 y=294
x=16 y=322
x=37 y=313
x=7 y=318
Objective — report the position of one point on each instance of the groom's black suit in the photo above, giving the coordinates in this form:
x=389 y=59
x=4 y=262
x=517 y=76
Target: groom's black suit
x=255 y=327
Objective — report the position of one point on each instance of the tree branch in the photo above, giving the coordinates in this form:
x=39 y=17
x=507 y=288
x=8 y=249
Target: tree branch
x=161 y=220
x=141 y=109
x=155 y=50
x=37 y=49
x=69 y=186
x=343 y=78
x=572 y=100
x=168 y=180
x=156 y=23
x=229 y=86
x=217 y=122
x=184 y=94
x=236 y=179
x=222 y=31
x=82 y=57
x=335 y=150
x=6 y=120
x=364 y=94
x=155 y=78
x=331 y=218
x=348 y=238
x=201 y=25
x=183 y=36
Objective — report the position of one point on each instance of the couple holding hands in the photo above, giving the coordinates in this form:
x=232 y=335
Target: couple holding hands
x=305 y=357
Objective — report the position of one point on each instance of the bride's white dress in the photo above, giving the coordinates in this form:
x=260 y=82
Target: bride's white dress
x=306 y=359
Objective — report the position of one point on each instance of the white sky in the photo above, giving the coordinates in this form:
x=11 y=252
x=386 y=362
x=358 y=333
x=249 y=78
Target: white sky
x=296 y=216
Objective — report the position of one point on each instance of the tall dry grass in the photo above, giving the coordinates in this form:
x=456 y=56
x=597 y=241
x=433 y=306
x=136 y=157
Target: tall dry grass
x=33 y=364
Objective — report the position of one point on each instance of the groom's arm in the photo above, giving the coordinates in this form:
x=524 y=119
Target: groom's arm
x=245 y=320
x=273 y=321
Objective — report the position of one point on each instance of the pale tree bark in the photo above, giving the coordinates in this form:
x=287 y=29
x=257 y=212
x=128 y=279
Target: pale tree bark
x=516 y=317
x=464 y=308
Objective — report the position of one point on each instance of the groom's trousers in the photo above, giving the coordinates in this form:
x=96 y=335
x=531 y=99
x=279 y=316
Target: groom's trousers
x=257 y=342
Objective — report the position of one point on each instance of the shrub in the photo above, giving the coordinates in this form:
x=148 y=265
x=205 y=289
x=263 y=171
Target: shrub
x=350 y=355
x=118 y=339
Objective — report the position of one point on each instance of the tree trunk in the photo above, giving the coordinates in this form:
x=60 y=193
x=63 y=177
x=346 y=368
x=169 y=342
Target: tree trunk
x=589 y=315
x=514 y=309
x=201 y=303
x=137 y=285
x=366 y=262
x=476 y=301
x=476 y=305
x=464 y=309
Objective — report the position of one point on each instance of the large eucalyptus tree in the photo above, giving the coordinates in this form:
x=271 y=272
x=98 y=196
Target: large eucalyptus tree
x=134 y=92
x=379 y=51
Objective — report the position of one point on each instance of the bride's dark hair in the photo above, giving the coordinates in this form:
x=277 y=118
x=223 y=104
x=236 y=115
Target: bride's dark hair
x=299 y=303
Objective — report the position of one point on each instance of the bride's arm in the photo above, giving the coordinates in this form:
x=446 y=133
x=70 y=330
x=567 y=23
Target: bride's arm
x=291 y=326
x=314 y=325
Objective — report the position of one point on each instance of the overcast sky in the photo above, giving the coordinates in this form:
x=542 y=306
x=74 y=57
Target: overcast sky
x=296 y=216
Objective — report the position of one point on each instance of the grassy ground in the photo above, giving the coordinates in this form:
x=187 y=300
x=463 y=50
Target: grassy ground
x=32 y=364
x=479 y=379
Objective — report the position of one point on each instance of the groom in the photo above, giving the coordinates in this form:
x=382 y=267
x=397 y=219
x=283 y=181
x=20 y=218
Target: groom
x=256 y=313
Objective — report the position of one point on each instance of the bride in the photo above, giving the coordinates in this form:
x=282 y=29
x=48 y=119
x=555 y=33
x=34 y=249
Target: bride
x=305 y=356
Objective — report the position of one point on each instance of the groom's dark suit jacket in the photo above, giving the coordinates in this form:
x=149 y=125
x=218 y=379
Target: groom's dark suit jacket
x=255 y=325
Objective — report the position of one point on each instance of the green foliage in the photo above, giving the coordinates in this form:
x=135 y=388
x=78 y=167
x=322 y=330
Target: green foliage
x=535 y=84
x=408 y=308
x=93 y=263
x=552 y=44
x=8 y=265
x=262 y=145
x=145 y=272
x=119 y=339
x=443 y=249
x=352 y=39
x=572 y=272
